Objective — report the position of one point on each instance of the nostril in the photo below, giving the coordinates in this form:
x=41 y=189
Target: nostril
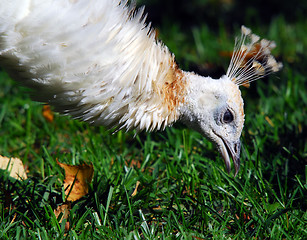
x=237 y=147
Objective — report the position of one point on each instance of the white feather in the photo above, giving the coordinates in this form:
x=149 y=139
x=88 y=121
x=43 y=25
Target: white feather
x=94 y=60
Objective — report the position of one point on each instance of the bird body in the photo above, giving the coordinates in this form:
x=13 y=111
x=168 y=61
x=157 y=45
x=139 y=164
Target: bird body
x=93 y=60
x=98 y=62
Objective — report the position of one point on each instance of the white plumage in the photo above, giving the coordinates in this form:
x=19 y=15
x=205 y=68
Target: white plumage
x=98 y=62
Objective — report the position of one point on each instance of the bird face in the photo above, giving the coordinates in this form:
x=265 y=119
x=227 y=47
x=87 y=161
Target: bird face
x=215 y=109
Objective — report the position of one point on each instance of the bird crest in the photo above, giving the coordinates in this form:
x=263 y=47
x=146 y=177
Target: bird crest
x=251 y=59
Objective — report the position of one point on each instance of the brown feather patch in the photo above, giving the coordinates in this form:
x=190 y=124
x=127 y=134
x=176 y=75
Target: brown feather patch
x=174 y=87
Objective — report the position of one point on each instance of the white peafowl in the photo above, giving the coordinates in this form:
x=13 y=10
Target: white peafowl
x=98 y=62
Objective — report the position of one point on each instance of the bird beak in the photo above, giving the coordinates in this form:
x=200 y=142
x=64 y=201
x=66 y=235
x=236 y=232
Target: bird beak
x=234 y=149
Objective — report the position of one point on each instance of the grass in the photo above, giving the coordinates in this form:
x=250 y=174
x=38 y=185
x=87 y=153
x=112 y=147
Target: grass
x=184 y=192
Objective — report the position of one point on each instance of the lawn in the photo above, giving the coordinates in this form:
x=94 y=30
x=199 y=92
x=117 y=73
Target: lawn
x=172 y=184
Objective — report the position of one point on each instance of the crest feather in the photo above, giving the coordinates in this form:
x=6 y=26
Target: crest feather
x=252 y=58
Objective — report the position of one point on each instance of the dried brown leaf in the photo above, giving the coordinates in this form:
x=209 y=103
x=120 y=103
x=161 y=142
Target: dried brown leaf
x=77 y=179
x=14 y=166
x=47 y=113
x=136 y=189
x=65 y=210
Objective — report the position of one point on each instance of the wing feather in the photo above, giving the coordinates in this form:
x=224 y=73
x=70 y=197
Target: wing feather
x=94 y=60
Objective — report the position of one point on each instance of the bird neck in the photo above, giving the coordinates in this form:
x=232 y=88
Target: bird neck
x=167 y=97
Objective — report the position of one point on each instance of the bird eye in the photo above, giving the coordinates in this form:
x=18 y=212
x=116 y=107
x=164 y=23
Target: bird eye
x=228 y=117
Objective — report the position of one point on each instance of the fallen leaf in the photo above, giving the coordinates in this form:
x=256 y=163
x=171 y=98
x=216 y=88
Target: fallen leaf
x=77 y=179
x=14 y=166
x=269 y=121
x=65 y=210
x=133 y=163
x=47 y=113
x=136 y=189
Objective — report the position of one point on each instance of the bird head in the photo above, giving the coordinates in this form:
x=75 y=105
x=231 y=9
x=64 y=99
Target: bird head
x=214 y=107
